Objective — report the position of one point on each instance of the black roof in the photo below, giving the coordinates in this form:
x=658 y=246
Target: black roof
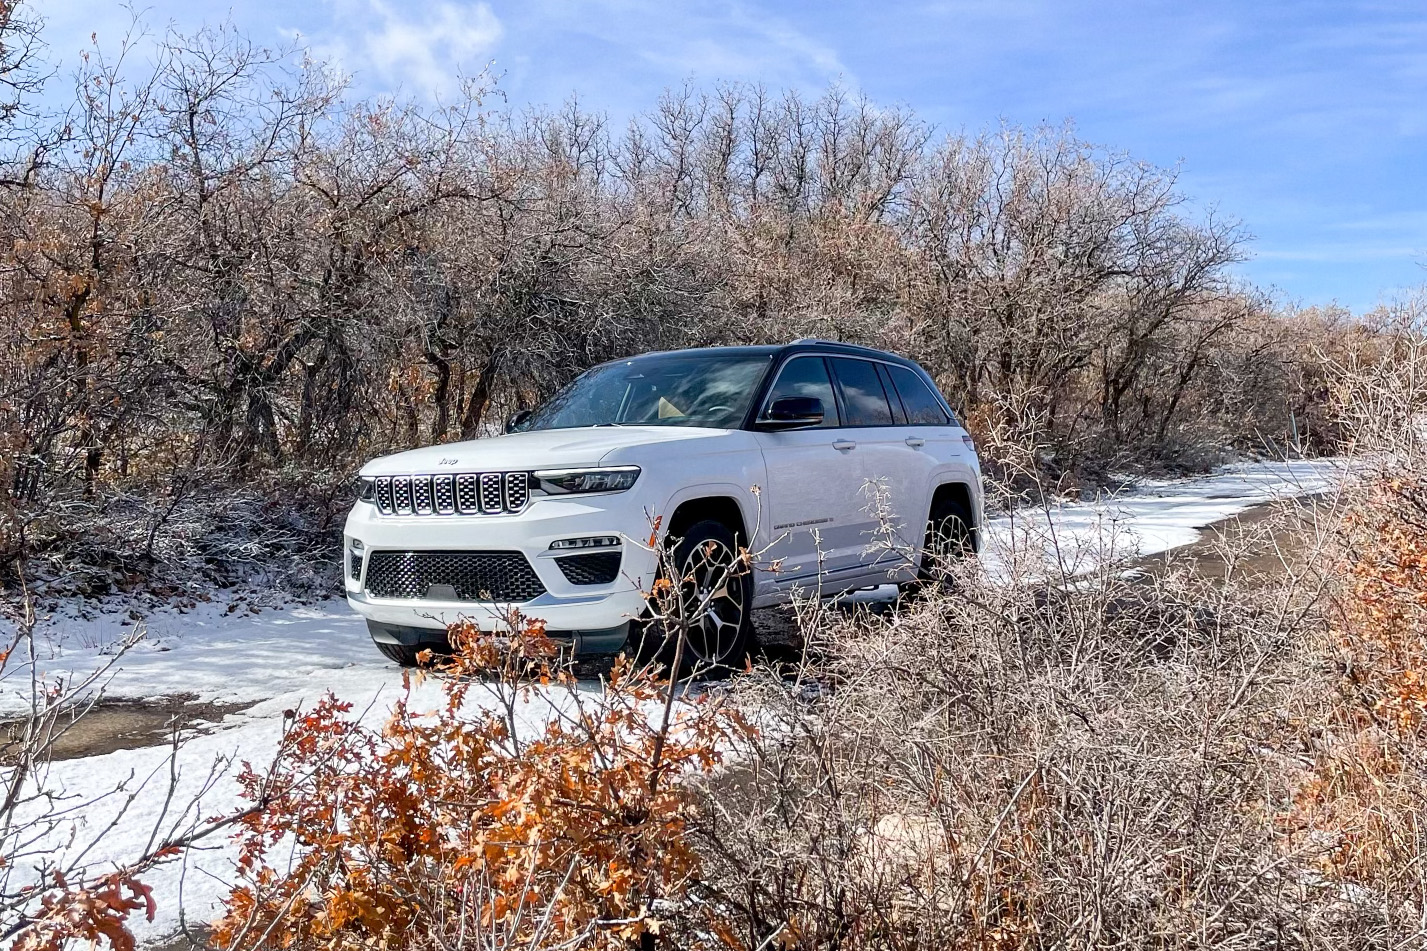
x=774 y=351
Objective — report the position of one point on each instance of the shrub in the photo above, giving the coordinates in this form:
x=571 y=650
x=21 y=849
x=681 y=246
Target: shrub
x=491 y=821
x=1029 y=765
x=1366 y=795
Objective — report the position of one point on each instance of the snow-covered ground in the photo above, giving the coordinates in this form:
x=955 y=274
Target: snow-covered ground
x=1154 y=517
x=282 y=658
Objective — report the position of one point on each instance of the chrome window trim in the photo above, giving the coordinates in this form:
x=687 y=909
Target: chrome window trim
x=953 y=421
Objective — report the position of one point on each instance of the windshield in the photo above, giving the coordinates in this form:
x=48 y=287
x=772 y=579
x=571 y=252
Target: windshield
x=673 y=389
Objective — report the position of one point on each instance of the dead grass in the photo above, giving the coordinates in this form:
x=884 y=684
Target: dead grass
x=1074 y=762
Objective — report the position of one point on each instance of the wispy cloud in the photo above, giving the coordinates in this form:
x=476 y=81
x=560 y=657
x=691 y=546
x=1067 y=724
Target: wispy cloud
x=1342 y=251
x=625 y=51
x=736 y=42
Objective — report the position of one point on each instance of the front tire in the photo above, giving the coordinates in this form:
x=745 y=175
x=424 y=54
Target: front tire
x=711 y=603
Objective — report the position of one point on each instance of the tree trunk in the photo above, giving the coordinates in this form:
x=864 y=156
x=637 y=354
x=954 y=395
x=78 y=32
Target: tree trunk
x=480 y=399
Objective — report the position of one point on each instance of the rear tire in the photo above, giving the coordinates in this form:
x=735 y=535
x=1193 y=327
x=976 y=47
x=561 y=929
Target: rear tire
x=715 y=588
x=948 y=541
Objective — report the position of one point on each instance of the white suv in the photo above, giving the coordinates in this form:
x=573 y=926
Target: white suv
x=803 y=454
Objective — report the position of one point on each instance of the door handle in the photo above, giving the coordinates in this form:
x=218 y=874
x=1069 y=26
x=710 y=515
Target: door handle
x=916 y=442
x=843 y=445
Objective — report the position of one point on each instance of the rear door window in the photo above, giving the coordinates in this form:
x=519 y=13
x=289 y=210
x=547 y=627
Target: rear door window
x=921 y=405
x=864 y=402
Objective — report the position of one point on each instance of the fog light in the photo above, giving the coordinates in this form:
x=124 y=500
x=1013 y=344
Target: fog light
x=597 y=541
x=356 y=544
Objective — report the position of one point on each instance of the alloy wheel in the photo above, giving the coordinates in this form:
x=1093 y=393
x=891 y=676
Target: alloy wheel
x=713 y=596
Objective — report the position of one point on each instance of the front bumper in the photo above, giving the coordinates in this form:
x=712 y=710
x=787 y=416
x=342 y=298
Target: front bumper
x=609 y=641
x=596 y=614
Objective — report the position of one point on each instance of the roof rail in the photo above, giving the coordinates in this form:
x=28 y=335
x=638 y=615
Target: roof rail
x=834 y=343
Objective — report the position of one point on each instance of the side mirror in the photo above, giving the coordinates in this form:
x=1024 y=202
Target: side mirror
x=791 y=412
x=513 y=424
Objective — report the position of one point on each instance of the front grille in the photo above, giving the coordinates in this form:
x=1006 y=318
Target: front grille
x=356 y=569
x=466 y=498
x=517 y=490
x=468 y=493
x=421 y=494
x=443 y=489
x=599 y=567
x=491 y=501
x=501 y=576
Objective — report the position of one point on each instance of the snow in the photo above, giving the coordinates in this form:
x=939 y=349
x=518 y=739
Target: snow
x=287 y=657
x=214 y=655
x=1152 y=518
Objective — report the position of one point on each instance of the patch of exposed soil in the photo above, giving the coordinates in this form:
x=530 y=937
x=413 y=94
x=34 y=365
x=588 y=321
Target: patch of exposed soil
x=779 y=638
x=196 y=939
x=1267 y=542
x=111 y=725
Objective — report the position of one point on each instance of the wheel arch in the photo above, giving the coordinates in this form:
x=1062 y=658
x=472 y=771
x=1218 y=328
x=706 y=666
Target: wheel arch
x=714 y=504
x=959 y=494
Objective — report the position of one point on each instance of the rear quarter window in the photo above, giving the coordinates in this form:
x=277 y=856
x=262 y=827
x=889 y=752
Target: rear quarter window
x=921 y=405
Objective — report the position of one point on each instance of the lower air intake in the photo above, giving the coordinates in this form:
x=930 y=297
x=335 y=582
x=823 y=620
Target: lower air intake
x=594 y=568
x=501 y=576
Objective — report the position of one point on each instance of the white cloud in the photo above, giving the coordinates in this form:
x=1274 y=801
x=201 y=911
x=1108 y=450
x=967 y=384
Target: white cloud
x=422 y=49
x=431 y=53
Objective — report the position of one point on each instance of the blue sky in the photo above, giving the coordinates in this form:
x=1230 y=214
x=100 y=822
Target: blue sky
x=1306 y=120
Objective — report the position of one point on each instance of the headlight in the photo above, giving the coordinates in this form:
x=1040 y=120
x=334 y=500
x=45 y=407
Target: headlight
x=366 y=489
x=572 y=481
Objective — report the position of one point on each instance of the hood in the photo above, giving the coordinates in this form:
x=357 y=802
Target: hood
x=546 y=449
